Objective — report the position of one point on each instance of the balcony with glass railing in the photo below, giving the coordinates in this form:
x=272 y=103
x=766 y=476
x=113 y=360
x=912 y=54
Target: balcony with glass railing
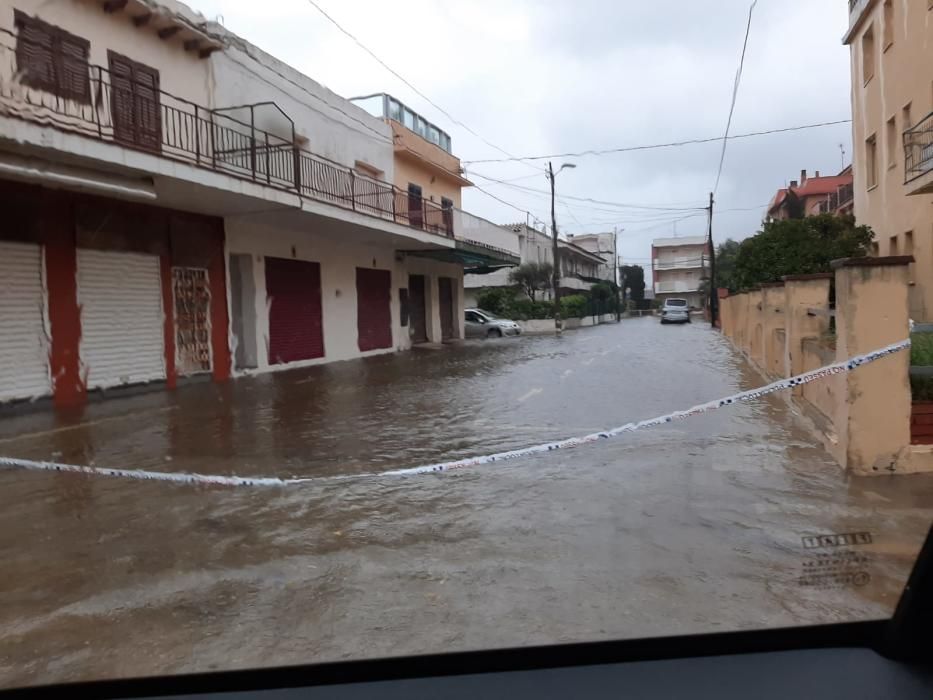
x=918 y=157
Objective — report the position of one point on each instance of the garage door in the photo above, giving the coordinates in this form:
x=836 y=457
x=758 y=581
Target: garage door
x=120 y=295
x=24 y=348
x=373 y=308
x=296 y=331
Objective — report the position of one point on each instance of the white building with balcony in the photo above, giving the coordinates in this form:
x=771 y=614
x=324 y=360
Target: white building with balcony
x=178 y=202
x=678 y=268
x=580 y=269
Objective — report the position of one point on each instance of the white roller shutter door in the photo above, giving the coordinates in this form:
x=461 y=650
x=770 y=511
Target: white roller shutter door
x=120 y=295
x=24 y=346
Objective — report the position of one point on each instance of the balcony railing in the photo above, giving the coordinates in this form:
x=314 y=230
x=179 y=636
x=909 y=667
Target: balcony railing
x=678 y=286
x=685 y=263
x=162 y=124
x=918 y=149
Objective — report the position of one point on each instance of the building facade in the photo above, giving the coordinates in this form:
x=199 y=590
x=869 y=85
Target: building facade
x=891 y=58
x=605 y=246
x=182 y=204
x=678 y=268
x=580 y=269
x=814 y=195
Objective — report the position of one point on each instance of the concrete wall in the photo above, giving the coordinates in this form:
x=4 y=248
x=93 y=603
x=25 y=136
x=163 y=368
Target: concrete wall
x=181 y=72
x=338 y=286
x=862 y=416
x=901 y=78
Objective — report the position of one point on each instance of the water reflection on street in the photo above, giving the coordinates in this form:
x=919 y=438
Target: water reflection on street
x=692 y=527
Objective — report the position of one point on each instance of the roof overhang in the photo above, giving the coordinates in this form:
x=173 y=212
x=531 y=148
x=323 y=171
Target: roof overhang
x=476 y=258
x=435 y=168
x=168 y=22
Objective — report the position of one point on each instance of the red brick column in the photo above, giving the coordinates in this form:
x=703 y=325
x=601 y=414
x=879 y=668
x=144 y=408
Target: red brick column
x=61 y=267
x=220 y=347
x=168 y=315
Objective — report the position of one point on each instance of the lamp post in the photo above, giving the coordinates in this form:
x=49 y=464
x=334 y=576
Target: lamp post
x=555 y=279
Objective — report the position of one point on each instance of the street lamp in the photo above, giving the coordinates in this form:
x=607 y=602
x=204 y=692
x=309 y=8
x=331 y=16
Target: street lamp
x=555 y=279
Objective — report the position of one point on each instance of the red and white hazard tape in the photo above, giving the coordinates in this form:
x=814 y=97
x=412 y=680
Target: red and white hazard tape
x=782 y=384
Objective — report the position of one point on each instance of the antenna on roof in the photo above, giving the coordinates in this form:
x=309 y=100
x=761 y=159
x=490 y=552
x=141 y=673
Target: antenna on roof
x=842 y=156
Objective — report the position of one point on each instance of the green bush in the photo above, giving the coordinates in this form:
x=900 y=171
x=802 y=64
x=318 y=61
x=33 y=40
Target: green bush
x=524 y=309
x=573 y=306
x=495 y=299
x=921 y=349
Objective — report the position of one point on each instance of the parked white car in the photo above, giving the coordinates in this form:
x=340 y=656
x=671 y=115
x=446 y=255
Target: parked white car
x=675 y=311
x=479 y=323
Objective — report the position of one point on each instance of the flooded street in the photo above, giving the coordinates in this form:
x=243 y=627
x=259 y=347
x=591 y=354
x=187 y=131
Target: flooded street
x=693 y=527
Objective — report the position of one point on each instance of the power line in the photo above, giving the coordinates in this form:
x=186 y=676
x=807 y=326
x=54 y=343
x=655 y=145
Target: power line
x=735 y=94
x=586 y=199
x=406 y=82
x=655 y=146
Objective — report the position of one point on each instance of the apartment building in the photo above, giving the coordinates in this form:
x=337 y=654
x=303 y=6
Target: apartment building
x=814 y=195
x=678 y=267
x=427 y=170
x=579 y=268
x=891 y=57
x=181 y=203
x=604 y=245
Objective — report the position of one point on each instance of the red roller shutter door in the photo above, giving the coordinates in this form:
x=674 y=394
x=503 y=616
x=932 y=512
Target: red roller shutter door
x=373 y=308
x=296 y=330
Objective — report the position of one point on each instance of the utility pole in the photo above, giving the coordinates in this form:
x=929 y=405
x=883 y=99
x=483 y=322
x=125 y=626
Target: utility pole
x=555 y=278
x=713 y=292
x=617 y=278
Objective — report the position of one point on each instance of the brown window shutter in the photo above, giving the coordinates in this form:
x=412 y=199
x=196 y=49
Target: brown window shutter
x=73 y=78
x=121 y=98
x=147 y=107
x=34 y=52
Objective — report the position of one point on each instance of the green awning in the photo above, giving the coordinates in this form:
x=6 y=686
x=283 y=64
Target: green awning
x=476 y=258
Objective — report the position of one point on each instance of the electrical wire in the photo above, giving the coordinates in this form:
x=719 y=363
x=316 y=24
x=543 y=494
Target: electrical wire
x=406 y=82
x=735 y=94
x=672 y=144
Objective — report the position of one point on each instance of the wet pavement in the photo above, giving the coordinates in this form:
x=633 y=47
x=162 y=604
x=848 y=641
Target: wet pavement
x=692 y=527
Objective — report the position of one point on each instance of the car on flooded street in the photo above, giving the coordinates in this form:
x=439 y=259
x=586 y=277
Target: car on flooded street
x=479 y=323
x=675 y=311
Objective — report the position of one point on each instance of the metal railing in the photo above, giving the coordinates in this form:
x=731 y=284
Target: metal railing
x=918 y=149
x=685 y=263
x=163 y=124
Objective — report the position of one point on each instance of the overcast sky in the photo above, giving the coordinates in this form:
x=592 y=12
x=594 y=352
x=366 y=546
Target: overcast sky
x=538 y=77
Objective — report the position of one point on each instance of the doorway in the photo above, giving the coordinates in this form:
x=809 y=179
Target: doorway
x=418 y=328
x=445 y=290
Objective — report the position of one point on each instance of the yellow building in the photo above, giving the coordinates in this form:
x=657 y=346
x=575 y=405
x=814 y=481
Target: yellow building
x=425 y=167
x=891 y=49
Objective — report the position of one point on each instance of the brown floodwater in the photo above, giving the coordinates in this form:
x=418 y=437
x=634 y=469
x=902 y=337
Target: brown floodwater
x=690 y=527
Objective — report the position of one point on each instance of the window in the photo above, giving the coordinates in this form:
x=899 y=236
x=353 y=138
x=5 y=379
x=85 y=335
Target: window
x=893 y=247
x=906 y=123
x=51 y=59
x=871 y=161
x=135 y=102
x=408 y=119
x=888 y=24
x=891 y=142
x=868 y=55
x=447 y=205
x=395 y=110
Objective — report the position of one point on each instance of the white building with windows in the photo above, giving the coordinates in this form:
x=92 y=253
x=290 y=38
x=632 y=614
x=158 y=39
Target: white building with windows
x=178 y=202
x=678 y=268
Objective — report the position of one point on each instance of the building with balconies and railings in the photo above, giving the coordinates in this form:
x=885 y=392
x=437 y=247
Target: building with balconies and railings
x=430 y=174
x=678 y=267
x=811 y=195
x=180 y=203
x=891 y=58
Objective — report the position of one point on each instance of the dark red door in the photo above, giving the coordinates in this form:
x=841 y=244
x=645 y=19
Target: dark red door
x=373 y=308
x=445 y=290
x=296 y=330
x=418 y=326
x=415 y=206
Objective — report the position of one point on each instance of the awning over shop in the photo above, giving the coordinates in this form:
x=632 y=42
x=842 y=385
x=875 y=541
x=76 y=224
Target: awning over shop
x=476 y=258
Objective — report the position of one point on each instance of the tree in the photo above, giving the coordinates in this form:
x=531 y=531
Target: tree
x=725 y=264
x=633 y=277
x=798 y=247
x=532 y=277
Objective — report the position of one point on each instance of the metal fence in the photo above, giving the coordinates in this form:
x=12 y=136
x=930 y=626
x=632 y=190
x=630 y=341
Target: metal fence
x=918 y=149
x=158 y=122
